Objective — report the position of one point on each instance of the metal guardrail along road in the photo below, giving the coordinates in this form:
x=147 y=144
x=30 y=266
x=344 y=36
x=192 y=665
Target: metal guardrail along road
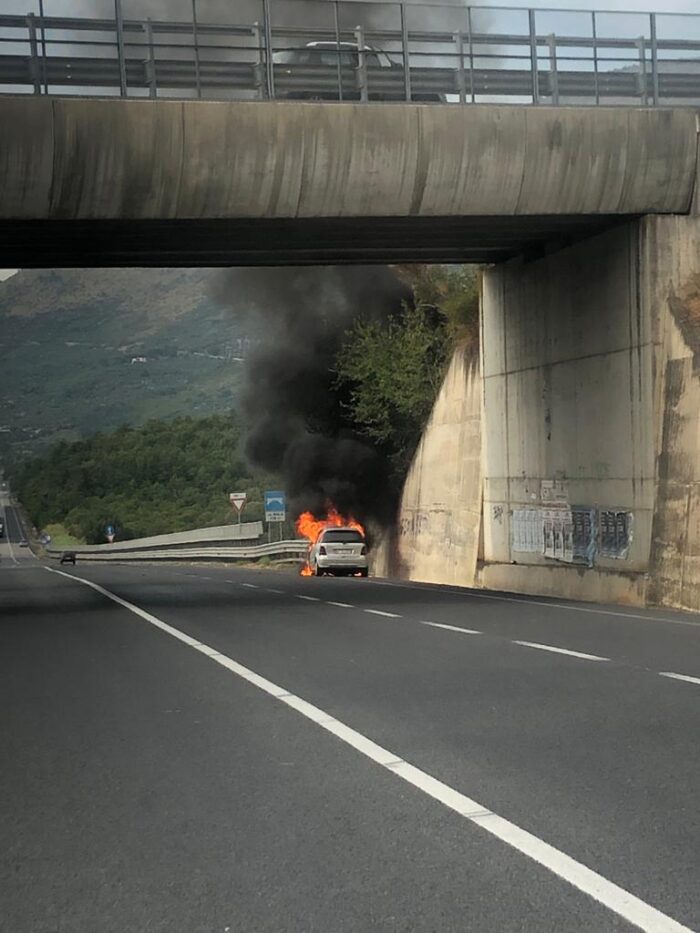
x=363 y=52
x=277 y=550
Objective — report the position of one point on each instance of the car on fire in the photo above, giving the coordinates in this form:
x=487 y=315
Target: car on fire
x=339 y=550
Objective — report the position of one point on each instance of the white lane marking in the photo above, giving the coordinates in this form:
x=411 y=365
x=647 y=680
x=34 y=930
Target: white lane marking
x=615 y=898
x=340 y=605
x=311 y=599
x=7 y=534
x=378 y=612
x=572 y=654
x=474 y=594
x=686 y=677
x=453 y=628
x=251 y=586
x=271 y=589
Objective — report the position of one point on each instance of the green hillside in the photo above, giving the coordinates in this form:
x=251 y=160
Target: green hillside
x=68 y=338
x=165 y=476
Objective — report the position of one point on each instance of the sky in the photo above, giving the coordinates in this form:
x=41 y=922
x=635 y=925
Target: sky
x=66 y=7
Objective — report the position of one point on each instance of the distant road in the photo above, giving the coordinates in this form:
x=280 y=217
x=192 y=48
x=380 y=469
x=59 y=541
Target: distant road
x=10 y=552
x=208 y=750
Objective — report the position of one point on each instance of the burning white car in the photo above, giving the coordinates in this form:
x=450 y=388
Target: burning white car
x=339 y=550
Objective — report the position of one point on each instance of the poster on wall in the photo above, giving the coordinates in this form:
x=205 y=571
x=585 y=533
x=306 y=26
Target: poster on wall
x=526 y=531
x=615 y=533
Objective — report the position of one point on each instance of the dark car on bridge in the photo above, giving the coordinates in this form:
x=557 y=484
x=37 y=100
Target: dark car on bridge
x=317 y=70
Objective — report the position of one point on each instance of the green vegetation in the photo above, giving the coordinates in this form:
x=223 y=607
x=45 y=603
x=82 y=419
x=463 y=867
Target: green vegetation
x=390 y=373
x=67 y=340
x=60 y=537
x=159 y=478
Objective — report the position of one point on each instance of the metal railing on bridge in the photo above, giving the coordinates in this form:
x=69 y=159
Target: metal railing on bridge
x=345 y=50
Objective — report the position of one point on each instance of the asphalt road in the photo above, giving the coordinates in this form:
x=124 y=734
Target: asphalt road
x=153 y=781
x=11 y=554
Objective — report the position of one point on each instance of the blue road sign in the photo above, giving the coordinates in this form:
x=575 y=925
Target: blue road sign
x=275 y=506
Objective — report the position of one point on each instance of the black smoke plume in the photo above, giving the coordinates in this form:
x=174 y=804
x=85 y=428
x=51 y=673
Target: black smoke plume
x=298 y=426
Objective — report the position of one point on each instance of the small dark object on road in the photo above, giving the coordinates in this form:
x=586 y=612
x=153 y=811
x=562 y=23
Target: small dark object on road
x=68 y=557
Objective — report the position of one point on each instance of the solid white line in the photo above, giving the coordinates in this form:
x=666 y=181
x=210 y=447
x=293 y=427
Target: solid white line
x=311 y=599
x=572 y=654
x=452 y=628
x=615 y=898
x=686 y=677
x=378 y=612
x=340 y=605
x=7 y=534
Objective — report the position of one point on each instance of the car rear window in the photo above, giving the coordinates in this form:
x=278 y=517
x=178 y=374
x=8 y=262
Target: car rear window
x=343 y=537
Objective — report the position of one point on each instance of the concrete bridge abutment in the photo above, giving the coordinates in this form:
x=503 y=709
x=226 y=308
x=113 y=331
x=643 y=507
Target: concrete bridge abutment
x=564 y=460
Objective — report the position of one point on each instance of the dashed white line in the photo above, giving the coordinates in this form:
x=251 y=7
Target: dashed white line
x=251 y=586
x=380 y=612
x=340 y=605
x=572 y=654
x=311 y=599
x=467 y=593
x=271 y=589
x=615 y=898
x=686 y=677
x=452 y=628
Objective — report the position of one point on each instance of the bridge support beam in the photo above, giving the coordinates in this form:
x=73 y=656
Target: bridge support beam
x=591 y=454
x=588 y=432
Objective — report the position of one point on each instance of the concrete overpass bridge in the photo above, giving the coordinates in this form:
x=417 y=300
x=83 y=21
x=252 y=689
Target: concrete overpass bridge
x=103 y=182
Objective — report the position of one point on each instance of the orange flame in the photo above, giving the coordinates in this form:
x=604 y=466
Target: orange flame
x=310 y=527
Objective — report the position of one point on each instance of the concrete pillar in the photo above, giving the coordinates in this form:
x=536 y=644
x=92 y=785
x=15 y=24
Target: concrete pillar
x=591 y=452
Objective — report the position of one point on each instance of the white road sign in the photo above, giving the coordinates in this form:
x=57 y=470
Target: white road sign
x=238 y=500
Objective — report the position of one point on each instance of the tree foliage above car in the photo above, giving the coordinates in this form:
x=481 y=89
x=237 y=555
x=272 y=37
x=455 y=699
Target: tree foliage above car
x=389 y=373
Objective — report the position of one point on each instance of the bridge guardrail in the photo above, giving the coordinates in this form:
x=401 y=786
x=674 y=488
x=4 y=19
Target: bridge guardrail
x=408 y=51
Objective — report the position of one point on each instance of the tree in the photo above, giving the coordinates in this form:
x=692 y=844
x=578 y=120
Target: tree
x=165 y=476
x=389 y=373
x=392 y=372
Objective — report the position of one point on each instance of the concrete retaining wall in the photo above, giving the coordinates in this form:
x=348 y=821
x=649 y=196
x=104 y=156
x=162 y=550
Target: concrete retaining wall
x=248 y=532
x=92 y=159
x=670 y=252
x=569 y=418
x=440 y=516
x=590 y=431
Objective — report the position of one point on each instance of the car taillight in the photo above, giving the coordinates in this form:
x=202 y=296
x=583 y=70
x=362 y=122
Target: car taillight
x=322 y=550
x=364 y=549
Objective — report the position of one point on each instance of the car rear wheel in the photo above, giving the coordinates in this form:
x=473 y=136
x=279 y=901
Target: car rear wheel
x=364 y=572
x=319 y=572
